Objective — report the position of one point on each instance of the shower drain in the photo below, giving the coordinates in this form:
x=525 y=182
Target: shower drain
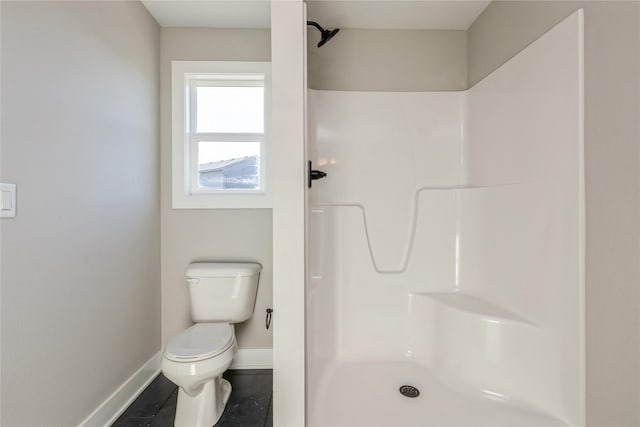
x=409 y=391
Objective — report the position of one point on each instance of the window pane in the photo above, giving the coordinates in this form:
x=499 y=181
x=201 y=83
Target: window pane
x=232 y=165
x=230 y=109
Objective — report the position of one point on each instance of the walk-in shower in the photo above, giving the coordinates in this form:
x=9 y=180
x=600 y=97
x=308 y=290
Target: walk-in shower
x=446 y=288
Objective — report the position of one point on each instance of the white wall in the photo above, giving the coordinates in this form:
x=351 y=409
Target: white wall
x=80 y=263
x=190 y=235
x=288 y=132
x=612 y=174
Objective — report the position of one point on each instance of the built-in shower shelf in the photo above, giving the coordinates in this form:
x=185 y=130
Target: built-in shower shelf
x=474 y=305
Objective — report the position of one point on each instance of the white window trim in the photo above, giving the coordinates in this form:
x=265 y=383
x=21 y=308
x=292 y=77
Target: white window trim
x=183 y=143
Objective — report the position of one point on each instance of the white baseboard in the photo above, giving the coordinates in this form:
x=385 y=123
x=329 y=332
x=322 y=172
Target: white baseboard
x=253 y=358
x=119 y=401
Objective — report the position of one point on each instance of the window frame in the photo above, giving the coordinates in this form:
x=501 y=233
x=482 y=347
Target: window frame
x=186 y=76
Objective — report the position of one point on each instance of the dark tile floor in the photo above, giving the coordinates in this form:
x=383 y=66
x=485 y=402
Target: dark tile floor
x=250 y=404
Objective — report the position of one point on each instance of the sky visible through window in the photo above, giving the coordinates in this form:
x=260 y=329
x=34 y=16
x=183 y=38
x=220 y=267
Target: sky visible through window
x=225 y=109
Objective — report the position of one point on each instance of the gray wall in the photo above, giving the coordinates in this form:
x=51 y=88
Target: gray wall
x=80 y=263
x=612 y=138
x=388 y=60
x=190 y=235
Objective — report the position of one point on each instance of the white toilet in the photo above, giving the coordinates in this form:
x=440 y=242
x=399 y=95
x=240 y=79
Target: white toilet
x=221 y=294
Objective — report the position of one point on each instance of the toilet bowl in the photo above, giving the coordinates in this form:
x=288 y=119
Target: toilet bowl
x=195 y=361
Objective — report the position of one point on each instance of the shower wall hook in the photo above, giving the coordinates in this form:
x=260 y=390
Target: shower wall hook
x=267 y=321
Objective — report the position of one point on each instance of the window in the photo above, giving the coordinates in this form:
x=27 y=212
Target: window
x=220 y=120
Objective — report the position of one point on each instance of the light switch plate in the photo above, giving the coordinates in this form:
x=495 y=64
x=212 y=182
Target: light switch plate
x=8 y=201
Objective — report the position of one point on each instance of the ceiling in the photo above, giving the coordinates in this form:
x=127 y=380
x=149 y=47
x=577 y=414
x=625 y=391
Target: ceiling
x=364 y=14
x=210 y=13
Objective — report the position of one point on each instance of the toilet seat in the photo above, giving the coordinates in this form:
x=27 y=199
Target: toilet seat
x=200 y=341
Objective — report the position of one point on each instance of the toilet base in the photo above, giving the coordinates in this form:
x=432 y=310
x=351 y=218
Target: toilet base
x=205 y=408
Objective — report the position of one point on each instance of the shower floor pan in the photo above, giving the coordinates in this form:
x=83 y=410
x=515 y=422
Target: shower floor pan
x=367 y=394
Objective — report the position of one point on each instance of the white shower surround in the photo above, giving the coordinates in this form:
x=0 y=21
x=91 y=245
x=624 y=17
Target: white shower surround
x=446 y=249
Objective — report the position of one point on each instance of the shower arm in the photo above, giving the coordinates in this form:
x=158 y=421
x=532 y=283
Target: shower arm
x=315 y=24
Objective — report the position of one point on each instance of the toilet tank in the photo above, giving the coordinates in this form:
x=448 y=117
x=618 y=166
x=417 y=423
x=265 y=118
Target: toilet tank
x=222 y=291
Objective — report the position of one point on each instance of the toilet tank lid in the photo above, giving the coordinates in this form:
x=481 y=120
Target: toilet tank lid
x=222 y=269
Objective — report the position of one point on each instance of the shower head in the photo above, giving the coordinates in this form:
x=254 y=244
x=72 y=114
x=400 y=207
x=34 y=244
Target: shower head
x=325 y=35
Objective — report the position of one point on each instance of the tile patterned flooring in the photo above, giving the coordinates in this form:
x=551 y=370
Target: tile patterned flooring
x=250 y=404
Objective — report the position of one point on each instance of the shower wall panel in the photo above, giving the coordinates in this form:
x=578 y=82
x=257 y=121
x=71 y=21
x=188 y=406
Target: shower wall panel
x=380 y=149
x=522 y=245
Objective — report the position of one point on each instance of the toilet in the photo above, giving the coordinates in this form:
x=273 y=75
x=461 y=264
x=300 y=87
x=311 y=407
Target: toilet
x=221 y=294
